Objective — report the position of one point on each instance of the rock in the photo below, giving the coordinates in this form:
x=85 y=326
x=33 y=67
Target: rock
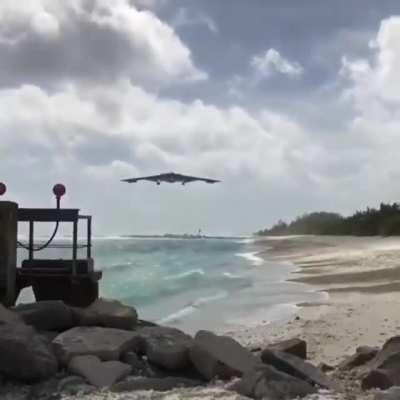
x=99 y=373
x=25 y=355
x=74 y=385
x=325 y=367
x=297 y=367
x=108 y=313
x=165 y=347
x=9 y=317
x=157 y=384
x=390 y=394
x=266 y=382
x=144 y=324
x=52 y=315
x=49 y=335
x=105 y=343
x=379 y=379
x=361 y=357
x=220 y=356
x=297 y=347
x=132 y=359
x=385 y=356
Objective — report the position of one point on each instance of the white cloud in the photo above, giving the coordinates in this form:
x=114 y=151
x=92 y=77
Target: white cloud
x=184 y=18
x=92 y=41
x=272 y=62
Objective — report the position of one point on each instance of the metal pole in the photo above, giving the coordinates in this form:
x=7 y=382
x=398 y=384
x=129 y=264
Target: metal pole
x=31 y=239
x=74 y=246
x=89 y=237
x=8 y=252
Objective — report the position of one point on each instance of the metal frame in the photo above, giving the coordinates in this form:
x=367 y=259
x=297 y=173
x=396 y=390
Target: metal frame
x=32 y=215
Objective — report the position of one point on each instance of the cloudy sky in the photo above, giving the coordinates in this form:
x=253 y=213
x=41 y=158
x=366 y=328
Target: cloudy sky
x=295 y=105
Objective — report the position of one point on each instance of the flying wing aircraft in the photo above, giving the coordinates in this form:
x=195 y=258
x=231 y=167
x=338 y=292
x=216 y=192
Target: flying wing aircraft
x=170 y=177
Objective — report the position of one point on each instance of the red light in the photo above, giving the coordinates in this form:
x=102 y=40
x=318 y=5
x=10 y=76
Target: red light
x=59 y=190
x=3 y=188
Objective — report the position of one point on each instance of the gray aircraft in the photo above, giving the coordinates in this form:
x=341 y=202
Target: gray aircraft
x=170 y=177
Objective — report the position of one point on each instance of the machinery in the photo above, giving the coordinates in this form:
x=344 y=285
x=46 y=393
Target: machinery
x=71 y=280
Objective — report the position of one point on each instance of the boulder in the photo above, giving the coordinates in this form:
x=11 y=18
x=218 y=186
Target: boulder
x=221 y=356
x=157 y=384
x=99 y=373
x=296 y=347
x=389 y=349
x=379 y=379
x=297 y=367
x=361 y=357
x=52 y=315
x=25 y=355
x=266 y=382
x=106 y=343
x=165 y=347
x=108 y=313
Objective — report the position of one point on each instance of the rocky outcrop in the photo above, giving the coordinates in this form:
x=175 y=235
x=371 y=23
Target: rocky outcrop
x=296 y=347
x=298 y=368
x=98 y=373
x=104 y=343
x=25 y=355
x=108 y=313
x=266 y=382
x=165 y=347
x=47 y=315
x=158 y=384
x=220 y=356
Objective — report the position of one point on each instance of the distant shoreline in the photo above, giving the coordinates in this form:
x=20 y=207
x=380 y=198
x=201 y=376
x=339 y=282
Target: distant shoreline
x=186 y=237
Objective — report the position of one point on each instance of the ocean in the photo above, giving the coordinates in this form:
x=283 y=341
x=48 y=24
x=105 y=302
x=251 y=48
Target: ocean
x=193 y=284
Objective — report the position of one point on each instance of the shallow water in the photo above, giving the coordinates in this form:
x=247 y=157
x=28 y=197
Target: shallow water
x=195 y=283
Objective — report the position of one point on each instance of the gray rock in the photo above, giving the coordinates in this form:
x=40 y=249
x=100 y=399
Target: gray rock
x=108 y=313
x=298 y=368
x=25 y=355
x=99 y=373
x=8 y=317
x=221 y=356
x=132 y=359
x=379 y=379
x=165 y=347
x=387 y=355
x=390 y=394
x=296 y=347
x=157 y=384
x=52 y=315
x=266 y=382
x=361 y=357
x=105 y=343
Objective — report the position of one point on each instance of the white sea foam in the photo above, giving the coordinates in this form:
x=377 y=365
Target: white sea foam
x=183 y=275
x=191 y=308
x=252 y=257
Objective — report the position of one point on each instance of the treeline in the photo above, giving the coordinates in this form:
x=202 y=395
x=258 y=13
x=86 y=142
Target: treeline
x=384 y=221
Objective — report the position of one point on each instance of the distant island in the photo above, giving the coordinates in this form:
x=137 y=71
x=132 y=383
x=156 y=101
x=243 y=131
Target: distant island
x=384 y=221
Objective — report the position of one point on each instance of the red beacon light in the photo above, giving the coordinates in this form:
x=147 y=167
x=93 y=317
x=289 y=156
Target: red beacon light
x=3 y=188
x=59 y=191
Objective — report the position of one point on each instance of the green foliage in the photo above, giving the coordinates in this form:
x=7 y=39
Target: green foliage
x=384 y=221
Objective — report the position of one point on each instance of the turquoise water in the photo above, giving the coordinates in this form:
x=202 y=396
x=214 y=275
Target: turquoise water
x=195 y=283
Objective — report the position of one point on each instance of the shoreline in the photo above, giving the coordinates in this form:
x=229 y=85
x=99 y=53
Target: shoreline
x=360 y=276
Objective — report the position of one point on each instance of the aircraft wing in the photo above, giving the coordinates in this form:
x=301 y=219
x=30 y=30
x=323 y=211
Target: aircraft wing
x=186 y=178
x=153 y=178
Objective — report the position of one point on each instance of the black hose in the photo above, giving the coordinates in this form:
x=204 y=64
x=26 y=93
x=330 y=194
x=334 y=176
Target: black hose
x=43 y=246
